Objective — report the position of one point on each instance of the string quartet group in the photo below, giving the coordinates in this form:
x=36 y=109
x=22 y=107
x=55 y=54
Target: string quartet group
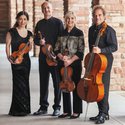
x=63 y=59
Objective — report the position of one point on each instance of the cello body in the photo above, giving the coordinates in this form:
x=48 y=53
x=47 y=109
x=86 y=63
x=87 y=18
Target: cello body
x=90 y=88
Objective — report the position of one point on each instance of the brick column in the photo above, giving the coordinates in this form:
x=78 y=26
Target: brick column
x=19 y=5
x=4 y=19
x=81 y=8
x=28 y=7
x=37 y=15
x=57 y=8
x=116 y=19
x=12 y=12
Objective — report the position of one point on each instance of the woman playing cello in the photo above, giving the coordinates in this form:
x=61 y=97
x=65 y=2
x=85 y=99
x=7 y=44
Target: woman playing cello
x=107 y=45
x=17 y=35
x=71 y=39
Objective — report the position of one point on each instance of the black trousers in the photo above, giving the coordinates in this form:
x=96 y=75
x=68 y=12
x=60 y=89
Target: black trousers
x=44 y=72
x=103 y=105
x=77 y=102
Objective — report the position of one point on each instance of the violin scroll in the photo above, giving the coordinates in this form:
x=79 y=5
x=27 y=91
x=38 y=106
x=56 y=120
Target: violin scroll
x=40 y=34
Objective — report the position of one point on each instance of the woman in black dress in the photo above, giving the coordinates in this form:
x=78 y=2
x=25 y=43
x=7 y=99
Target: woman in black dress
x=20 y=72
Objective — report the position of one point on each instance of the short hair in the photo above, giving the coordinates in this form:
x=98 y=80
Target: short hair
x=68 y=13
x=46 y=2
x=98 y=7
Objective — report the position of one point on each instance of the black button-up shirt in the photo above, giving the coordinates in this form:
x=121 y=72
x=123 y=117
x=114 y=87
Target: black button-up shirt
x=50 y=30
x=107 y=42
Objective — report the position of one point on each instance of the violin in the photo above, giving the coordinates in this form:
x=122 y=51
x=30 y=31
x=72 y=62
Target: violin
x=67 y=85
x=17 y=57
x=90 y=88
x=48 y=51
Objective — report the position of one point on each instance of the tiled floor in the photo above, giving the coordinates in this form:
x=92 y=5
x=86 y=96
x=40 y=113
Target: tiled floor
x=116 y=100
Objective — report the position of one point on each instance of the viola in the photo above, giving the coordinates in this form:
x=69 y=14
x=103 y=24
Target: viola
x=67 y=85
x=17 y=57
x=48 y=51
x=90 y=88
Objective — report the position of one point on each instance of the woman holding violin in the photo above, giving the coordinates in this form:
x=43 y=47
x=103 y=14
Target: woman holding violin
x=17 y=36
x=71 y=40
x=107 y=44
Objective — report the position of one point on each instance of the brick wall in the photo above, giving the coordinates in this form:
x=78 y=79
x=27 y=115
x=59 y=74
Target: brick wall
x=115 y=18
x=4 y=19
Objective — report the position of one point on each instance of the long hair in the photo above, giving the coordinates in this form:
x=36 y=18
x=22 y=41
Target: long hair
x=20 y=14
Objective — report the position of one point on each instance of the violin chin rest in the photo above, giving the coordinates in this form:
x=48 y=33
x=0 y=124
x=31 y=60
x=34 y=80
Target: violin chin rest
x=12 y=58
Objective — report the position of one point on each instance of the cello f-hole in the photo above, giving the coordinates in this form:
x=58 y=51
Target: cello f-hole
x=92 y=79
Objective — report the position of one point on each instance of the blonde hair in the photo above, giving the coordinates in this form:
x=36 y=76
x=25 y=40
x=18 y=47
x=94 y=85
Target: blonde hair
x=98 y=7
x=68 y=13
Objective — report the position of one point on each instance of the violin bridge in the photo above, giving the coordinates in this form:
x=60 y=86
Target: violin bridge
x=87 y=79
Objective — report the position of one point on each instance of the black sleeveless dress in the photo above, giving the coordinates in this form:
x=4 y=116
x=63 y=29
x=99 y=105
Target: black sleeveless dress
x=20 y=75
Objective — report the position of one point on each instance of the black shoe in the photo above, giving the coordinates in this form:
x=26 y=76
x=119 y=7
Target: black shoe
x=40 y=111
x=100 y=120
x=94 y=118
x=56 y=113
x=73 y=117
x=97 y=117
x=63 y=116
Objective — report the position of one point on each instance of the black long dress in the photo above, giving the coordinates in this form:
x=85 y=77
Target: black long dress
x=20 y=76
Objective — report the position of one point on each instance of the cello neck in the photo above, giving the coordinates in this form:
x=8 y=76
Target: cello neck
x=93 y=54
x=97 y=40
x=90 y=62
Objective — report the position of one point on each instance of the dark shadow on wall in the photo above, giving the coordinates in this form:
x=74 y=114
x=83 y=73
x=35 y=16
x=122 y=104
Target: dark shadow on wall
x=4 y=19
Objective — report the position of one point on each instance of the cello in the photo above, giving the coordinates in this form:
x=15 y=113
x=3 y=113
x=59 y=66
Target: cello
x=67 y=85
x=90 y=88
x=48 y=51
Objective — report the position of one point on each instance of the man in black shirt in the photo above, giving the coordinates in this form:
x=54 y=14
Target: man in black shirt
x=50 y=28
x=107 y=45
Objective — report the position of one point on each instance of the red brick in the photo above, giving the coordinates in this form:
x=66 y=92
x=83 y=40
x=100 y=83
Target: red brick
x=117 y=7
x=123 y=87
x=122 y=64
x=117 y=70
x=122 y=75
x=109 y=2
